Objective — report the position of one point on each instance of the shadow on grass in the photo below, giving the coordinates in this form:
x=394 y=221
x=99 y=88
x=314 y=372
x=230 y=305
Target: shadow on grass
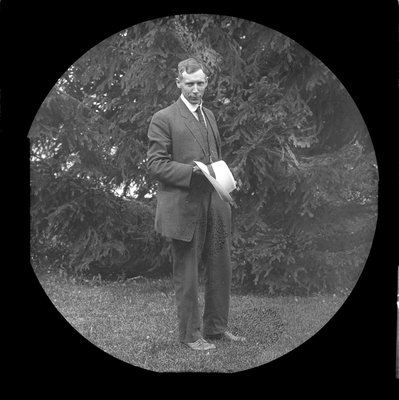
x=135 y=321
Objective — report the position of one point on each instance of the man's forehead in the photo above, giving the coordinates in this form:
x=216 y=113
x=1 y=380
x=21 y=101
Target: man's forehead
x=195 y=76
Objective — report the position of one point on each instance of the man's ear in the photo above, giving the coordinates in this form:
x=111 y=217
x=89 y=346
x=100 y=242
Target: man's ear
x=178 y=83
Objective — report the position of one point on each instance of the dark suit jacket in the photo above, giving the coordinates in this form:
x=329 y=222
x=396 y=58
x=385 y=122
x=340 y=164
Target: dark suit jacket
x=175 y=141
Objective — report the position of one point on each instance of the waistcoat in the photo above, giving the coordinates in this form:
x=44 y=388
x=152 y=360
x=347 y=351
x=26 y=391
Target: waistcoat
x=209 y=140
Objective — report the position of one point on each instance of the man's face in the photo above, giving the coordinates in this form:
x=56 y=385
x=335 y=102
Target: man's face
x=193 y=86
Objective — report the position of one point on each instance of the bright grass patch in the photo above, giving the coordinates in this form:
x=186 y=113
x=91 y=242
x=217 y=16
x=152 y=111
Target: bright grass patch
x=135 y=321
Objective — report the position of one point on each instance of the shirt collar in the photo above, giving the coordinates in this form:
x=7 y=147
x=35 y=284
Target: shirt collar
x=191 y=107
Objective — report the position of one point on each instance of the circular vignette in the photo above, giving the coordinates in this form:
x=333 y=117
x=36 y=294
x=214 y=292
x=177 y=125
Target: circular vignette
x=88 y=145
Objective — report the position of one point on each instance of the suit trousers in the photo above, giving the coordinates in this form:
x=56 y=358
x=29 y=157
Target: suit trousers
x=211 y=245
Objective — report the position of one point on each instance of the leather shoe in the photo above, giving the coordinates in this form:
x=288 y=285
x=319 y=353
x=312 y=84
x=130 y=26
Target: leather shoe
x=201 y=344
x=228 y=336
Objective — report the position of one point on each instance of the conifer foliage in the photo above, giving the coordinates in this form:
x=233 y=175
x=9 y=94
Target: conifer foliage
x=306 y=205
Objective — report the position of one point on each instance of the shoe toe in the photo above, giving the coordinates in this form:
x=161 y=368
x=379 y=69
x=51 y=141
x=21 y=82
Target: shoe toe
x=201 y=344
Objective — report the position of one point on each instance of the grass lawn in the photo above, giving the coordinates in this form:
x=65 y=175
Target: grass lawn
x=135 y=321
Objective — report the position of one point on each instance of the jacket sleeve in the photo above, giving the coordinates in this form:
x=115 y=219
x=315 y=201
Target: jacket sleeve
x=159 y=155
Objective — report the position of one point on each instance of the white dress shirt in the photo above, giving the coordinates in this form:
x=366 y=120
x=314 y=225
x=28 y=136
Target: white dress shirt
x=193 y=107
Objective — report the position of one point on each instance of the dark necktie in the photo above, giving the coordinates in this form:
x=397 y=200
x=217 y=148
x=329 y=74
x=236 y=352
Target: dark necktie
x=202 y=121
x=200 y=116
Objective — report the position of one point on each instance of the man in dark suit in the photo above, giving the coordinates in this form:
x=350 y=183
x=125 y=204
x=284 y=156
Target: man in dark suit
x=189 y=210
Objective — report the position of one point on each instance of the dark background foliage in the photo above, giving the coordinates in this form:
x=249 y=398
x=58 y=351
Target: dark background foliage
x=306 y=207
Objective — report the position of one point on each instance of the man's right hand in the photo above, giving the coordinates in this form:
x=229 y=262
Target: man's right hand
x=197 y=170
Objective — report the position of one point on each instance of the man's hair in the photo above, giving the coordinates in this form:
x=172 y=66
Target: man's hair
x=189 y=66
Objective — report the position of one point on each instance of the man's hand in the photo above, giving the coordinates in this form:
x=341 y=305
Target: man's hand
x=198 y=178
x=197 y=170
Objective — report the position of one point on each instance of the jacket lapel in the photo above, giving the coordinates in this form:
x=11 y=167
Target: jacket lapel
x=215 y=131
x=191 y=124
